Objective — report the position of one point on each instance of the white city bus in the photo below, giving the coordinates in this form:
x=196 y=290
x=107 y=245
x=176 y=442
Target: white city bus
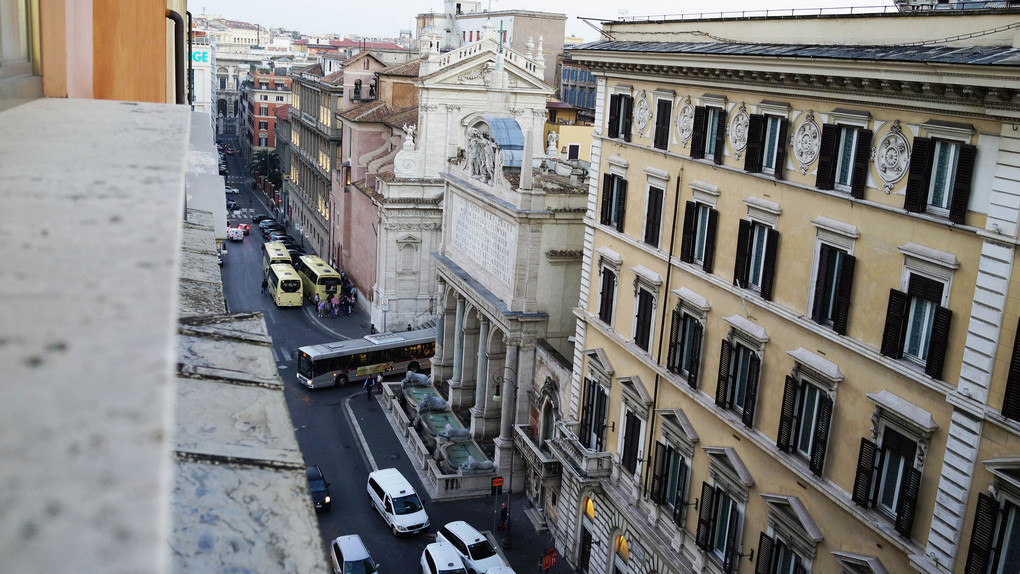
x=342 y=362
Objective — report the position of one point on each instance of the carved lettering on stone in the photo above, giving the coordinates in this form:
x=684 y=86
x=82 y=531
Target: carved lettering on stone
x=806 y=142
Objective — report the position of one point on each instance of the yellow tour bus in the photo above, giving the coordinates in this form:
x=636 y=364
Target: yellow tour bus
x=284 y=285
x=274 y=252
x=317 y=277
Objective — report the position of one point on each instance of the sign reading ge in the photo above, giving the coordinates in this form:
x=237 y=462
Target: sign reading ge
x=200 y=56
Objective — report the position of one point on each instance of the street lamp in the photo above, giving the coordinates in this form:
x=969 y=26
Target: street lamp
x=508 y=543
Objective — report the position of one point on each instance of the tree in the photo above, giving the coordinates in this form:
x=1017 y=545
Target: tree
x=266 y=162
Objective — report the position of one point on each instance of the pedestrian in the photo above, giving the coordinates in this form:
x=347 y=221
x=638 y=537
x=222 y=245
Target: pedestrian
x=316 y=299
x=322 y=308
x=378 y=384
x=368 y=388
x=409 y=327
x=265 y=286
x=373 y=331
x=504 y=515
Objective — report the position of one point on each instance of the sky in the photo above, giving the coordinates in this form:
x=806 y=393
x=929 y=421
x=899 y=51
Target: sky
x=388 y=17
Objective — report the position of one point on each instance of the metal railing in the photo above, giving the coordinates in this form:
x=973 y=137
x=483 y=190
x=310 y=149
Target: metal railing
x=805 y=12
x=588 y=463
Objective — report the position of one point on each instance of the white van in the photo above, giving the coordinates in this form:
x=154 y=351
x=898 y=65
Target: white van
x=396 y=501
x=235 y=234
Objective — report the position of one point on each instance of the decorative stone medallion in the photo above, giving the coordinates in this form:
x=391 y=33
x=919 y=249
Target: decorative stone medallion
x=738 y=130
x=892 y=156
x=685 y=122
x=806 y=141
x=642 y=113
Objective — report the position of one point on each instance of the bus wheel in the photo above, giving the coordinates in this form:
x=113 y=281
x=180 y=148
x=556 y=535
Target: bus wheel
x=341 y=380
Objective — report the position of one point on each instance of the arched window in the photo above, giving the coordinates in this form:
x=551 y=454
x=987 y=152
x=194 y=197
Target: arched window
x=589 y=508
x=620 y=547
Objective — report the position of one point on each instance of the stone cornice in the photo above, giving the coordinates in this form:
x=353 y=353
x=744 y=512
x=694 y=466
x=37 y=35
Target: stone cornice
x=921 y=92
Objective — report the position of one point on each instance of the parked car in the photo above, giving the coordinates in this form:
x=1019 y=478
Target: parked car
x=223 y=169
x=266 y=233
x=231 y=190
x=350 y=556
x=267 y=221
x=231 y=204
x=280 y=236
x=260 y=218
x=440 y=558
x=475 y=550
x=319 y=488
x=395 y=500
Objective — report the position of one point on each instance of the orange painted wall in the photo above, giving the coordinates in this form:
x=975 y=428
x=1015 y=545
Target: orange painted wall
x=130 y=56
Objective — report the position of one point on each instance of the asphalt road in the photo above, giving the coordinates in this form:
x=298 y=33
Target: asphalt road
x=334 y=425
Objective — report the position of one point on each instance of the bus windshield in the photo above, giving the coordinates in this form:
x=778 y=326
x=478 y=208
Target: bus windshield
x=290 y=285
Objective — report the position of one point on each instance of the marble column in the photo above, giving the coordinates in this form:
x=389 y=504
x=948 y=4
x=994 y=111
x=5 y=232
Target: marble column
x=458 y=340
x=481 y=384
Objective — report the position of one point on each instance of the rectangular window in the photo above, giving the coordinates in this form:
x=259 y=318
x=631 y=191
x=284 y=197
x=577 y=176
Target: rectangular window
x=917 y=326
x=697 y=243
x=887 y=480
x=834 y=276
x=620 y=108
x=939 y=180
x=843 y=156
x=643 y=319
x=773 y=142
x=995 y=538
x=776 y=557
x=614 y=200
x=737 y=388
x=804 y=422
x=713 y=129
x=593 y=416
x=631 y=442
x=718 y=526
x=263 y=125
x=607 y=296
x=669 y=480
x=755 y=263
x=573 y=151
x=263 y=110
x=653 y=217
x=263 y=142
x=663 y=113
x=279 y=98
x=846 y=149
x=685 y=347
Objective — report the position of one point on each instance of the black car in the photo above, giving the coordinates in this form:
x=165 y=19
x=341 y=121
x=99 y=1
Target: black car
x=267 y=232
x=260 y=218
x=319 y=488
x=296 y=253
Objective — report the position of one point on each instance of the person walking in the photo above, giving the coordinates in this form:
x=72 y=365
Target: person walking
x=378 y=383
x=368 y=388
x=265 y=286
x=504 y=515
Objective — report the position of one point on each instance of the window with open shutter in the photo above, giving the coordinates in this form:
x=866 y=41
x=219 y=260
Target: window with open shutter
x=764 y=563
x=826 y=177
x=867 y=459
x=859 y=179
x=694 y=366
x=1011 y=398
x=698 y=133
x=961 y=184
x=626 y=116
x=680 y=492
x=720 y=137
x=918 y=176
x=732 y=532
x=621 y=207
x=658 y=492
x=821 y=436
x=844 y=289
x=613 y=129
x=740 y=265
x=723 y=383
x=895 y=316
x=982 y=533
x=786 y=416
x=606 y=215
x=780 y=161
x=768 y=272
x=751 y=393
x=709 y=256
x=907 y=504
x=755 y=143
x=938 y=342
x=672 y=363
x=706 y=516
x=663 y=112
x=687 y=235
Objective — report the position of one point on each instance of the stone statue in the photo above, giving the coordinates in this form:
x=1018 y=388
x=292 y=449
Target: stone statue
x=553 y=149
x=409 y=136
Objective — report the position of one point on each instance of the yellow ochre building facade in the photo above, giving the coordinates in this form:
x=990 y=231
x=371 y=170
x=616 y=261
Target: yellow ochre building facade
x=796 y=348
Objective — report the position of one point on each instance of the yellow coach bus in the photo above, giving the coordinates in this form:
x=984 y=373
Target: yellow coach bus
x=284 y=285
x=317 y=277
x=273 y=253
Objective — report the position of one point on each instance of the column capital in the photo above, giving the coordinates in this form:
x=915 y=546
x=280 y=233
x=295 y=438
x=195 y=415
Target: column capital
x=481 y=316
x=528 y=342
x=511 y=340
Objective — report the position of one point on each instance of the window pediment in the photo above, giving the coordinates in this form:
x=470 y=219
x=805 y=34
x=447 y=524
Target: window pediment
x=817 y=368
x=729 y=472
x=859 y=563
x=791 y=521
x=599 y=365
x=696 y=304
x=635 y=396
x=678 y=430
x=706 y=193
x=609 y=257
x=751 y=333
x=1006 y=473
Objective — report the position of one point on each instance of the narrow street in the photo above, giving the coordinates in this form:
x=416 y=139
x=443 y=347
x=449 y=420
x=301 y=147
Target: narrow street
x=343 y=432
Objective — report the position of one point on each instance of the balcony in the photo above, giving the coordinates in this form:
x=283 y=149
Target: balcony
x=587 y=464
x=540 y=459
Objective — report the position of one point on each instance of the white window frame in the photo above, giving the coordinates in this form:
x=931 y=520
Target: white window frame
x=932 y=264
x=649 y=281
x=612 y=261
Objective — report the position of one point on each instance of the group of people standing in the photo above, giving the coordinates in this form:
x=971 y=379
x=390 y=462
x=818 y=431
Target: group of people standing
x=342 y=302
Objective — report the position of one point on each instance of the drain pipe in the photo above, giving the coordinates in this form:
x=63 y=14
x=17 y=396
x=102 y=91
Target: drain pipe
x=662 y=325
x=191 y=71
x=179 y=55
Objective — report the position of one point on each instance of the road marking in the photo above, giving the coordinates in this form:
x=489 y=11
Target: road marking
x=361 y=435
